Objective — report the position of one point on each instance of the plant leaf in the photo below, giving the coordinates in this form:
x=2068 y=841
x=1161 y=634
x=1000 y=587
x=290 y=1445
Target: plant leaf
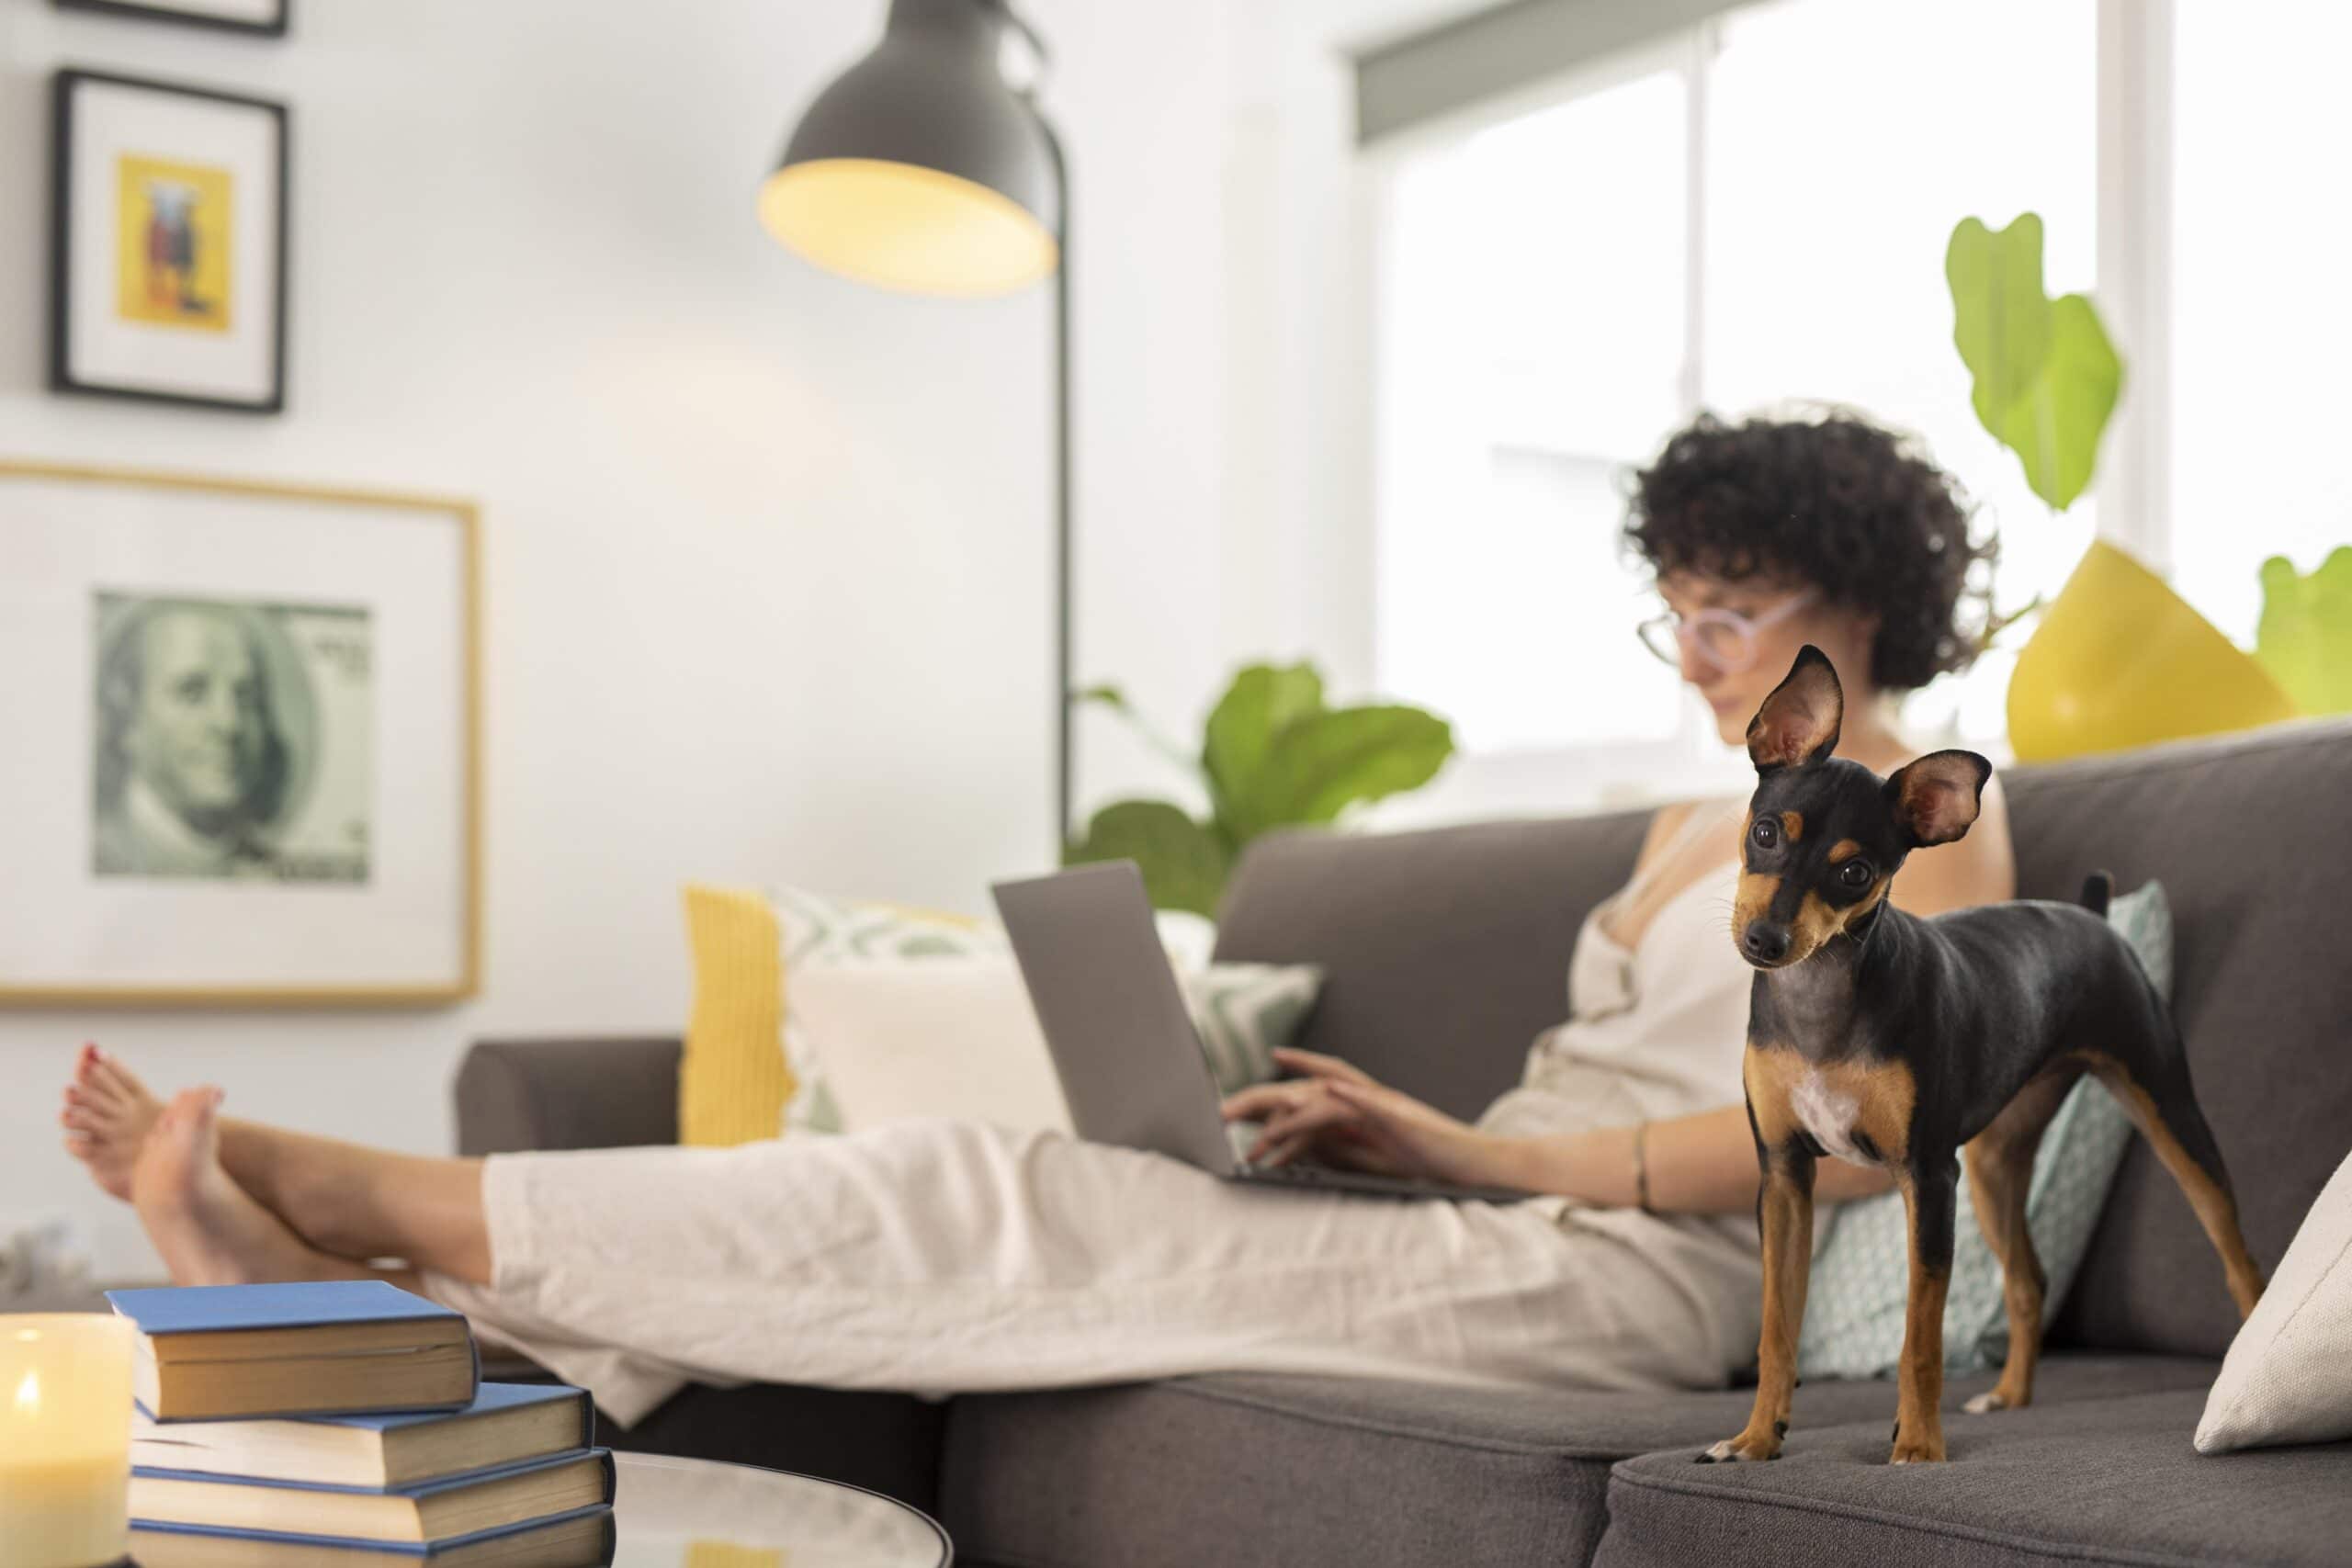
x=2000 y=316
x=1183 y=865
x=1322 y=762
x=1263 y=700
x=2055 y=428
x=2304 y=637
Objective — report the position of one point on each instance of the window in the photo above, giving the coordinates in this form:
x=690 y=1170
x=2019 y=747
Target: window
x=1532 y=343
x=2263 y=322
x=1752 y=214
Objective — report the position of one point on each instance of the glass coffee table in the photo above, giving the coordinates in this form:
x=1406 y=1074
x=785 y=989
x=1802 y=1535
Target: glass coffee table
x=691 y=1513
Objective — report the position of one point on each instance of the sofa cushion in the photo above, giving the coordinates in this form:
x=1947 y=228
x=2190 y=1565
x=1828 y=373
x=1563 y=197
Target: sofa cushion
x=2244 y=832
x=2081 y=1480
x=1272 y=1470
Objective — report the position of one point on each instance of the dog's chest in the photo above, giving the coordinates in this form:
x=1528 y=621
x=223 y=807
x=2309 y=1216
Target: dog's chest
x=1829 y=1113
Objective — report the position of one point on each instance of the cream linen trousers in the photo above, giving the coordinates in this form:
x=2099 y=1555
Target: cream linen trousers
x=939 y=1257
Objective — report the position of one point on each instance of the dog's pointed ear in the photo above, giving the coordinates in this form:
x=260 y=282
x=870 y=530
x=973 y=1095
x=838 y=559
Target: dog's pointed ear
x=1798 y=723
x=1935 y=797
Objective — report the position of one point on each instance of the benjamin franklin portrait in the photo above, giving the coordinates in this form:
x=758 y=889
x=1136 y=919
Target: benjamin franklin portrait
x=217 y=751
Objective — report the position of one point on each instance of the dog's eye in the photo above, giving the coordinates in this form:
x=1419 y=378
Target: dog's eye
x=1766 y=833
x=1855 y=873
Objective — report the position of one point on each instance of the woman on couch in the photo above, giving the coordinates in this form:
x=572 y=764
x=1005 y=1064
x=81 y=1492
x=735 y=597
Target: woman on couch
x=947 y=1257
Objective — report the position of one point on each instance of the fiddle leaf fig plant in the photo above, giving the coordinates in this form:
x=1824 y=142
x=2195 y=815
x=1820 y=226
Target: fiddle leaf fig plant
x=1273 y=755
x=2046 y=377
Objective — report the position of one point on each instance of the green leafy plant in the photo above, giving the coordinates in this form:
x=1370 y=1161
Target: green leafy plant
x=2047 y=377
x=2046 y=383
x=2304 y=637
x=1273 y=756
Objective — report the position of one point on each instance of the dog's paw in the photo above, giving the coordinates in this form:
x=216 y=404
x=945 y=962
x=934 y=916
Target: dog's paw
x=1984 y=1404
x=1914 y=1450
x=1748 y=1448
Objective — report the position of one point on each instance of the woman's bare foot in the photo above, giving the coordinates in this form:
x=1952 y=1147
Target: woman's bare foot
x=210 y=1231
x=107 y=1115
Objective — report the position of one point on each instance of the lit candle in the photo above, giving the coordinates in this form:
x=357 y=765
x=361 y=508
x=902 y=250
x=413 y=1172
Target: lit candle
x=64 y=1439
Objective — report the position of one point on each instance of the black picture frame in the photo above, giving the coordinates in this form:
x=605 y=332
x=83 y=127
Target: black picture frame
x=148 y=11
x=61 y=376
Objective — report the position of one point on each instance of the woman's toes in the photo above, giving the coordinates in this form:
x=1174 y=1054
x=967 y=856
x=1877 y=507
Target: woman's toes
x=112 y=1121
x=109 y=1074
x=90 y=1074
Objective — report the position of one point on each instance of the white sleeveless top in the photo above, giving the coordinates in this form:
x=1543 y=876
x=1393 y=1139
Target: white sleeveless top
x=1653 y=1032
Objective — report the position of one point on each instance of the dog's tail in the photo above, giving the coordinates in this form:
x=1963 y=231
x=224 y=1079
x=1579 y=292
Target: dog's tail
x=2096 y=888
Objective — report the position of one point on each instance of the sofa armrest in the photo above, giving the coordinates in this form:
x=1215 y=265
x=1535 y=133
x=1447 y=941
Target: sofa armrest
x=553 y=1093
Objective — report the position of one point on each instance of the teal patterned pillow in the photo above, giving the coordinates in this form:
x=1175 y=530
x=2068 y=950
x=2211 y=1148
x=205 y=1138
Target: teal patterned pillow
x=1861 y=1273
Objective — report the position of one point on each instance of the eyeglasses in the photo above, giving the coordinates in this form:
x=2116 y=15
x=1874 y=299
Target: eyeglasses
x=1724 y=639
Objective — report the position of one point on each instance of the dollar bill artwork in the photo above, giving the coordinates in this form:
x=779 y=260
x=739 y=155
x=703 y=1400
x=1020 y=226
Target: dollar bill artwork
x=232 y=740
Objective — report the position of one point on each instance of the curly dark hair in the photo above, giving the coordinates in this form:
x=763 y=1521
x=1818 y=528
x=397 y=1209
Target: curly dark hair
x=1834 y=501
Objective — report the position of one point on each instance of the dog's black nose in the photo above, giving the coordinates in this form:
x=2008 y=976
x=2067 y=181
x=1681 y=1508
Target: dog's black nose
x=1765 y=942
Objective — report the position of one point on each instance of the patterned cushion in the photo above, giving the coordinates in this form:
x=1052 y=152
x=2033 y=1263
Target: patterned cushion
x=1861 y=1271
x=735 y=1083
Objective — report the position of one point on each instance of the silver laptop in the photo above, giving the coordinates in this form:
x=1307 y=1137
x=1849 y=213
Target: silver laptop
x=1130 y=1061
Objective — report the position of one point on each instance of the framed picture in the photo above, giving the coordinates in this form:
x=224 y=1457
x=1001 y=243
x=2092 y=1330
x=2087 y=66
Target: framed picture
x=265 y=16
x=242 y=756
x=167 y=235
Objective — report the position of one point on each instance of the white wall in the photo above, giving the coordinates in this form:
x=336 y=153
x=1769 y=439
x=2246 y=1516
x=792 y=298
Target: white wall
x=767 y=553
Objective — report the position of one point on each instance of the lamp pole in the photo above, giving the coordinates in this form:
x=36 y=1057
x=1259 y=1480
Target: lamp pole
x=1065 y=562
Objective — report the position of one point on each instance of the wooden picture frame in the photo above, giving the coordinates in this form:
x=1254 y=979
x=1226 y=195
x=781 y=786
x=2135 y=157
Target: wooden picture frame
x=259 y=18
x=167 y=243
x=317 y=844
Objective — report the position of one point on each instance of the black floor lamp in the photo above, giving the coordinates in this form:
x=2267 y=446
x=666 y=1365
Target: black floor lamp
x=922 y=168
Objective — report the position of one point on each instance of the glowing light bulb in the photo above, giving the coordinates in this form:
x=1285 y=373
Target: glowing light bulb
x=29 y=1393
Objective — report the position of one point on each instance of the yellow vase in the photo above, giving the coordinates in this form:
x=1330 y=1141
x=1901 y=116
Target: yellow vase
x=2120 y=660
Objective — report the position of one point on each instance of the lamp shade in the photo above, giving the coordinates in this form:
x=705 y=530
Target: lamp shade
x=921 y=168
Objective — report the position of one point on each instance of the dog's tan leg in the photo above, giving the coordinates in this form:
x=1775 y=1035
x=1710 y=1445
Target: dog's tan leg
x=1929 y=1197
x=2000 y=1170
x=1784 y=1216
x=2167 y=1115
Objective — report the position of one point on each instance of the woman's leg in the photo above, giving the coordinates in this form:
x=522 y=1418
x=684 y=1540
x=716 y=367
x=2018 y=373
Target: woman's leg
x=950 y=1257
x=207 y=1228
x=364 y=1203
x=341 y=1199
x=943 y=1258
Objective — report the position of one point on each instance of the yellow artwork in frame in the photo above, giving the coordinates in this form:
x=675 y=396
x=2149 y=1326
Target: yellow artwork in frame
x=173 y=266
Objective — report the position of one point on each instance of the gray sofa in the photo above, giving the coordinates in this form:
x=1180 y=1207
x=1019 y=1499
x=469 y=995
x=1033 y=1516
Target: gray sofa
x=1445 y=952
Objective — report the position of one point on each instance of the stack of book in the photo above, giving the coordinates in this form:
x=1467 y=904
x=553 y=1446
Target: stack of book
x=346 y=1423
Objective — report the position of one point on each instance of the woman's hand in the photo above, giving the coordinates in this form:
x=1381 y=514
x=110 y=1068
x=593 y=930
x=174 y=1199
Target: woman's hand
x=1338 y=1113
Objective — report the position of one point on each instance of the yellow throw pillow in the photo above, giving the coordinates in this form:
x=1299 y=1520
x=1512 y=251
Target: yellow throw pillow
x=733 y=1082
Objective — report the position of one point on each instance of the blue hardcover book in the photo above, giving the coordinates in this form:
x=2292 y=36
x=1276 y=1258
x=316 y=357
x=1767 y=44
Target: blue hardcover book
x=426 y=1514
x=506 y=1424
x=314 y=1348
x=582 y=1538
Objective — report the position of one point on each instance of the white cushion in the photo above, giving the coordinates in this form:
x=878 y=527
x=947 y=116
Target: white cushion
x=947 y=1037
x=2288 y=1378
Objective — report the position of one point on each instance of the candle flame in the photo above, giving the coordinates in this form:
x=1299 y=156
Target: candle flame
x=29 y=1393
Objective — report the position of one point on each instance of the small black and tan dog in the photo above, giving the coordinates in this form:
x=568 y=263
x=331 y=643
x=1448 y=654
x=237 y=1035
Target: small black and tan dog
x=1880 y=1037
